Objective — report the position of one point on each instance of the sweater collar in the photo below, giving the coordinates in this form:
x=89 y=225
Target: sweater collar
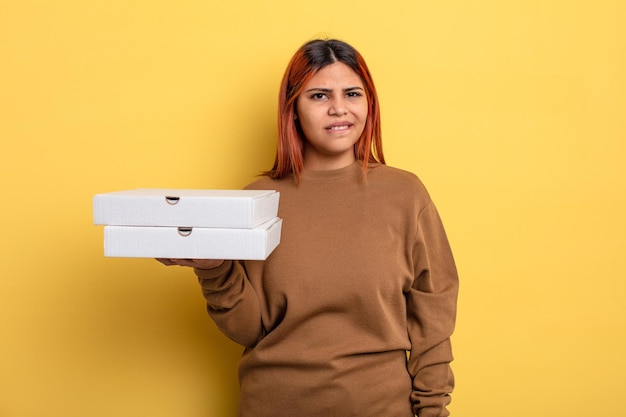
x=353 y=170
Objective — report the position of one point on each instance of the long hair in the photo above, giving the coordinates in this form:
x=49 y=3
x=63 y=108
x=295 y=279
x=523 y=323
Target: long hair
x=306 y=62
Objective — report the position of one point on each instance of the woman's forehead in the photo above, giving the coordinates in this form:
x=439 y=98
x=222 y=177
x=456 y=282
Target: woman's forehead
x=336 y=75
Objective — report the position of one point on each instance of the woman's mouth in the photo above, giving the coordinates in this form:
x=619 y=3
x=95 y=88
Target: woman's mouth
x=339 y=127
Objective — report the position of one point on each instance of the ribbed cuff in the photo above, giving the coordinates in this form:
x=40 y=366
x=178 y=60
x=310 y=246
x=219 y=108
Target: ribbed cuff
x=213 y=273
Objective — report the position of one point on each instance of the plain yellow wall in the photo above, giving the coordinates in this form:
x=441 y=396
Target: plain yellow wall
x=512 y=112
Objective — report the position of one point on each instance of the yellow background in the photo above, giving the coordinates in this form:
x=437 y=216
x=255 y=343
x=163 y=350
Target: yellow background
x=512 y=112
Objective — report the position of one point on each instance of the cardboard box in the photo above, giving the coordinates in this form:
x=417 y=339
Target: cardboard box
x=192 y=243
x=243 y=209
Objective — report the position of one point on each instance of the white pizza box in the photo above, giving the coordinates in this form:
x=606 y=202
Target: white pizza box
x=192 y=242
x=242 y=209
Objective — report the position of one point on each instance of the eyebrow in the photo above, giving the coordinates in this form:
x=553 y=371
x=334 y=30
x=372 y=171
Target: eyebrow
x=330 y=90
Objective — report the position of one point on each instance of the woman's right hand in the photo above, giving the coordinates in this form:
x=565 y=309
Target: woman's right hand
x=193 y=263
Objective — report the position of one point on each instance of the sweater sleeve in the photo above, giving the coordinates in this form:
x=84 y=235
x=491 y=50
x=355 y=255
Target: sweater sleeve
x=431 y=315
x=232 y=302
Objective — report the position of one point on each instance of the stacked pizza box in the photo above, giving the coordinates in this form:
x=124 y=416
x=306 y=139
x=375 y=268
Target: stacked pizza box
x=190 y=224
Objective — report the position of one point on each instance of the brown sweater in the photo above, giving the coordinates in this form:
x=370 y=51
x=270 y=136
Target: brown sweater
x=363 y=274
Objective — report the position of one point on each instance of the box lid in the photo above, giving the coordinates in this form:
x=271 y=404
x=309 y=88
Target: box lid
x=186 y=207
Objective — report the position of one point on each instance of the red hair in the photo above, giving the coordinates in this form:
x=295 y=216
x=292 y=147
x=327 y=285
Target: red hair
x=305 y=63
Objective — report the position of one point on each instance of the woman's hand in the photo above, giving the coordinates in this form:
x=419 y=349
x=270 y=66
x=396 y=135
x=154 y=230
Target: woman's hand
x=193 y=263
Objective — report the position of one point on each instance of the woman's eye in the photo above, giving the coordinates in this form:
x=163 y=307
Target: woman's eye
x=354 y=94
x=318 y=96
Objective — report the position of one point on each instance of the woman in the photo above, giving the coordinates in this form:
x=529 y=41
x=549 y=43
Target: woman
x=363 y=274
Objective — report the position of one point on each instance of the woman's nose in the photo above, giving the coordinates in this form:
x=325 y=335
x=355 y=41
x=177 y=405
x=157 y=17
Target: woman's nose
x=337 y=108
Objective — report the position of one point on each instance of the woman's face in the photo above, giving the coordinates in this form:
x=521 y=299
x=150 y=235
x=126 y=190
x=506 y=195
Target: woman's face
x=332 y=111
